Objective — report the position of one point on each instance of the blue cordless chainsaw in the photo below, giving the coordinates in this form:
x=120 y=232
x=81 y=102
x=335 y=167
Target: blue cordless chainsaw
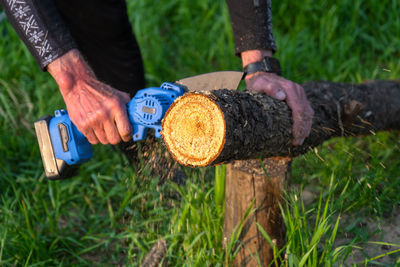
x=63 y=147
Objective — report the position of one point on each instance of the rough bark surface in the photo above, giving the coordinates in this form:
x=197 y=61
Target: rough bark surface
x=259 y=126
x=248 y=181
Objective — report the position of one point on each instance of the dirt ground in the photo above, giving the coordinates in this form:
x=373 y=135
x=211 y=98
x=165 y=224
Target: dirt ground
x=386 y=231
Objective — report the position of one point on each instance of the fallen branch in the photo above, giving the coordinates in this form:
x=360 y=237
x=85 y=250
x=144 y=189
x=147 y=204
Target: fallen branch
x=207 y=128
x=156 y=254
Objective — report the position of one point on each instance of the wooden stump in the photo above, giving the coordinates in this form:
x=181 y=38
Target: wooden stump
x=248 y=181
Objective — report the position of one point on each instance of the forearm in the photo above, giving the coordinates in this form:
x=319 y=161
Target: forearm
x=40 y=27
x=73 y=74
x=252 y=25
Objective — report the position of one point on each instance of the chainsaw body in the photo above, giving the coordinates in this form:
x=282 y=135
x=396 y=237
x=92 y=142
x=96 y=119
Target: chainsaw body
x=63 y=147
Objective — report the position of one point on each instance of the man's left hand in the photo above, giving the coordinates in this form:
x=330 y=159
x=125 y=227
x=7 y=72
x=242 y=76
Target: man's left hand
x=294 y=95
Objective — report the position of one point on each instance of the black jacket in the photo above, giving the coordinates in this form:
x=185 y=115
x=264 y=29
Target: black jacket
x=43 y=27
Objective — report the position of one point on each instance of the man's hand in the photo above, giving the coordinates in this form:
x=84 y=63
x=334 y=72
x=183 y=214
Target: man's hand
x=281 y=89
x=97 y=109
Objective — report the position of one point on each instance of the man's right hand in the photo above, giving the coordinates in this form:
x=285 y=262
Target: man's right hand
x=97 y=109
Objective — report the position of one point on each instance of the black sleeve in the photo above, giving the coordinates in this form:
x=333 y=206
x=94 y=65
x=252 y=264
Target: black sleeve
x=39 y=25
x=252 y=24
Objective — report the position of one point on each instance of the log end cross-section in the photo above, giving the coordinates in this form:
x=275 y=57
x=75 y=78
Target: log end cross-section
x=194 y=130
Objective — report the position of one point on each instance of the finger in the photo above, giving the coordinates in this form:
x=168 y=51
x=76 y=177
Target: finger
x=83 y=125
x=91 y=137
x=296 y=98
x=264 y=84
x=298 y=133
x=92 y=123
x=274 y=90
x=300 y=107
x=123 y=125
x=111 y=131
x=280 y=95
x=101 y=134
x=302 y=122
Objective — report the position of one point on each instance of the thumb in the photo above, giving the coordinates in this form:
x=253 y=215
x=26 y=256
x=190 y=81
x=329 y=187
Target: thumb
x=262 y=85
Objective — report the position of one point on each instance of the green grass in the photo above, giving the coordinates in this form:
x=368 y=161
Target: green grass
x=111 y=215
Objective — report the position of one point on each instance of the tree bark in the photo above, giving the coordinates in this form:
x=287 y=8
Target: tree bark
x=257 y=126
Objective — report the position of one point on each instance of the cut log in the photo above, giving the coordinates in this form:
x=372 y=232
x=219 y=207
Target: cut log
x=208 y=128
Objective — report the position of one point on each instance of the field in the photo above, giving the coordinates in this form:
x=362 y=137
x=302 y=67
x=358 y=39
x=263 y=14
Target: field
x=342 y=204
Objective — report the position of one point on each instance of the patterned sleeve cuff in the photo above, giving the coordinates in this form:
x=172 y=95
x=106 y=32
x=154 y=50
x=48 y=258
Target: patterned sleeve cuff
x=45 y=44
